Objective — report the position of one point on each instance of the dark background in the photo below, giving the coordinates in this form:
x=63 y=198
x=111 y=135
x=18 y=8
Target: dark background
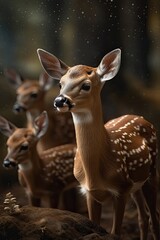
x=82 y=32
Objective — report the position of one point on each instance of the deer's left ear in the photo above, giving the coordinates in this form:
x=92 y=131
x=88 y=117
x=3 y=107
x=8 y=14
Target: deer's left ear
x=41 y=124
x=109 y=65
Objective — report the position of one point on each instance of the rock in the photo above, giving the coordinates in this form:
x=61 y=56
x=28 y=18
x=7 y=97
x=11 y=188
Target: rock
x=33 y=223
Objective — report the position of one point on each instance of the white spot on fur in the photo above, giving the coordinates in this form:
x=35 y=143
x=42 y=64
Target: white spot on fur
x=135 y=162
x=146 y=161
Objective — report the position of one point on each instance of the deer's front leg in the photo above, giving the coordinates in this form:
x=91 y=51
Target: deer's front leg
x=34 y=201
x=52 y=201
x=150 y=193
x=119 y=208
x=94 y=209
x=69 y=199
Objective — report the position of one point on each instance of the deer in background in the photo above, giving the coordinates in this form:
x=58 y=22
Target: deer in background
x=120 y=156
x=45 y=176
x=31 y=98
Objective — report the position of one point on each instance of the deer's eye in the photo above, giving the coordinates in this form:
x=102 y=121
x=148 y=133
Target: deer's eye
x=86 y=86
x=89 y=72
x=24 y=147
x=34 y=95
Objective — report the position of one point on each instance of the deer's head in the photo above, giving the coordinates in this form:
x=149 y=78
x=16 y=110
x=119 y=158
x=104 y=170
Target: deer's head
x=29 y=92
x=21 y=141
x=79 y=85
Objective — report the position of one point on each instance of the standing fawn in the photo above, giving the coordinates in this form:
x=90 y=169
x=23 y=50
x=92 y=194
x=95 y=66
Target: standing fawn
x=31 y=98
x=46 y=176
x=120 y=156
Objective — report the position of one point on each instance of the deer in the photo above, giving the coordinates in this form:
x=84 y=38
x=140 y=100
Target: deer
x=32 y=99
x=46 y=176
x=118 y=156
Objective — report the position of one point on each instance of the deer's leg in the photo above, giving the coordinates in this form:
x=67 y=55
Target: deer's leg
x=50 y=201
x=69 y=199
x=150 y=194
x=142 y=213
x=33 y=201
x=119 y=208
x=94 y=209
x=54 y=201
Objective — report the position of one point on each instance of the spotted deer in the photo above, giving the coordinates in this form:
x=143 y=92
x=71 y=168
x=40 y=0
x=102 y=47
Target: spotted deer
x=32 y=99
x=44 y=176
x=120 y=156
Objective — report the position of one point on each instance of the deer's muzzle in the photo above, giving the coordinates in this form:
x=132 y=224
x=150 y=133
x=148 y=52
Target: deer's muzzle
x=63 y=103
x=17 y=108
x=7 y=163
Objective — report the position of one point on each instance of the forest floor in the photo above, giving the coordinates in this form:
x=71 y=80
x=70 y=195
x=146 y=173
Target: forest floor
x=130 y=230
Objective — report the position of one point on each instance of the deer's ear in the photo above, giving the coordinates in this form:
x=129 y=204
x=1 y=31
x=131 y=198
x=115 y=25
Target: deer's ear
x=51 y=64
x=45 y=81
x=41 y=124
x=6 y=127
x=14 y=77
x=109 y=65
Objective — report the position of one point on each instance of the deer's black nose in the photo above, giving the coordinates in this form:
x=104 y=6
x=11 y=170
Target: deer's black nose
x=7 y=163
x=60 y=101
x=18 y=108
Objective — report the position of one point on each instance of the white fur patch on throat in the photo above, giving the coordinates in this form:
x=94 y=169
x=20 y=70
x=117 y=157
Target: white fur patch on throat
x=25 y=166
x=84 y=116
x=83 y=190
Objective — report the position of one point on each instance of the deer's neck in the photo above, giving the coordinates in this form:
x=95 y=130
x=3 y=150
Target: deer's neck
x=91 y=143
x=35 y=111
x=31 y=169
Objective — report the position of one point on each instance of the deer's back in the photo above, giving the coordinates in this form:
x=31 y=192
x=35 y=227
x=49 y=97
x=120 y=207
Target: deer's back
x=133 y=145
x=58 y=164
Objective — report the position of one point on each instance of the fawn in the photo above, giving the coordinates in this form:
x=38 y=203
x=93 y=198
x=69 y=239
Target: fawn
x=120 y=156
x=44 y=176
x=31 y=99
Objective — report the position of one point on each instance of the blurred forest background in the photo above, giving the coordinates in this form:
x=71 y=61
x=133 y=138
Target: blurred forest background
x=82 y=32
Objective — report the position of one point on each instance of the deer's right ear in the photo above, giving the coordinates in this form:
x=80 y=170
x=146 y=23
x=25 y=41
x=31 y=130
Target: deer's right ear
x=14 y=77
x=45 y=81
x=41 y=124
x=6 y=127
x=51 y=64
